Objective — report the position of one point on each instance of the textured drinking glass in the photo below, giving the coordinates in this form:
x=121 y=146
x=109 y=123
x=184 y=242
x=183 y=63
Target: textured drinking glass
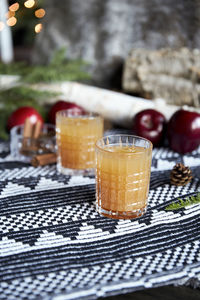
x=76 y=135
x=123 y=164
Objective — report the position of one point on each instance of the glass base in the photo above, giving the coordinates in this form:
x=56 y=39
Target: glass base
x=137 y=213
x=75 y=172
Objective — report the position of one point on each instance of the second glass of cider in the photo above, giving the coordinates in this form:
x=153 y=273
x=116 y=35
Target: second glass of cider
x=76 y=134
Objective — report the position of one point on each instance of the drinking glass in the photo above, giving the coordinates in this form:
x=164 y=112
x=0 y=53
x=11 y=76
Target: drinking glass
x=76 y=134
x=24 y=148
x=123 y=164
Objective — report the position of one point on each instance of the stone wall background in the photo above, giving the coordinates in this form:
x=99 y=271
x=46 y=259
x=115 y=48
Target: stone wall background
x=103 y=32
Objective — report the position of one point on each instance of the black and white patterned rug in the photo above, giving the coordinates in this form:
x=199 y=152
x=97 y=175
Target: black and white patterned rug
x=54 y=245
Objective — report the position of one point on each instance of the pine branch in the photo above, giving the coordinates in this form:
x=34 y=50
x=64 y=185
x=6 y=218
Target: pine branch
x=184 y=202
x=17 y=68
x=58 y=57
x=68 y=72
x=59 y=69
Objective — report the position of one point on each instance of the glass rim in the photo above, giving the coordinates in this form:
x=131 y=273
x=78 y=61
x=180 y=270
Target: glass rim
x=84 y=114
x=122 y=135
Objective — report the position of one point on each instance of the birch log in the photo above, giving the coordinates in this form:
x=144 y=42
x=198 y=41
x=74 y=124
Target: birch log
x=170 y=74
x=115 y=107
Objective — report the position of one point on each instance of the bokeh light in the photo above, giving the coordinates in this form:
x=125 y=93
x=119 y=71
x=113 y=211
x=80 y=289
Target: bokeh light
x=14 y=7
x=40 y=13
x=29 y=3
x=10 y=14
x=38 y=28
x=12 y=21
x=2 y=25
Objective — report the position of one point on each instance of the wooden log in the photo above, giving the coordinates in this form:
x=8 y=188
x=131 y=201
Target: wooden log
x=170 y=74
x=115 y=107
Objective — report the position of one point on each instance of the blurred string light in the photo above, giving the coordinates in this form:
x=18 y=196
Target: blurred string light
x=38 y=28
x=40 y=13
x=11 y=21
x=14 y=7
x=2 y=25
x=29 y=3
x=10 y=14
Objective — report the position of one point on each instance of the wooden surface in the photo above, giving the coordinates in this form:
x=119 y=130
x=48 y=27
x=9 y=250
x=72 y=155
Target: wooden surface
x=163 y=293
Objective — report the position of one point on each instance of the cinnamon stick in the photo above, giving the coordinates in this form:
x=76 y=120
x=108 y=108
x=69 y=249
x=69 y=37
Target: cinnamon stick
x=27 y=133
x=28 y=128
x=44 y=159
x=36 y=129
x=35 y=136
x=30 y=136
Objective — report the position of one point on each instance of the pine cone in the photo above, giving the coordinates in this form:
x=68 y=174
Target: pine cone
x=180 y=175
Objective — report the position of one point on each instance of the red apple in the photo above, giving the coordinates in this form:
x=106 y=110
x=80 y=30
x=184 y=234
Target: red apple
x=150 y=124
x=60 y=105
x=183 y=131
x=19 y=116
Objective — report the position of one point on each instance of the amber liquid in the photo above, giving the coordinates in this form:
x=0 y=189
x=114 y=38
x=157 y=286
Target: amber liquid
x=123 y=175
x=76 y=137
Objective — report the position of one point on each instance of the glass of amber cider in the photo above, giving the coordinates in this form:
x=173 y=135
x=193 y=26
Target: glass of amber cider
x=123 y=167
x=76 y=135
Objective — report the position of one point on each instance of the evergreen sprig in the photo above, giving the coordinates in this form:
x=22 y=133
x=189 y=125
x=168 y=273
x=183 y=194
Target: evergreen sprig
x=184 y=202
x=16 y=68
x=59 y=69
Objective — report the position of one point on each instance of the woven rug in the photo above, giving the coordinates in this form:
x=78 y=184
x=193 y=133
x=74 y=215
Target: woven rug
x=54 y=245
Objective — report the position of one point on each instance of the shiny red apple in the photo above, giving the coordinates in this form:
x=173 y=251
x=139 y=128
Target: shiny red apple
x=19 y=116
x=60 y=105
x=183 y=131
x=150 y=124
